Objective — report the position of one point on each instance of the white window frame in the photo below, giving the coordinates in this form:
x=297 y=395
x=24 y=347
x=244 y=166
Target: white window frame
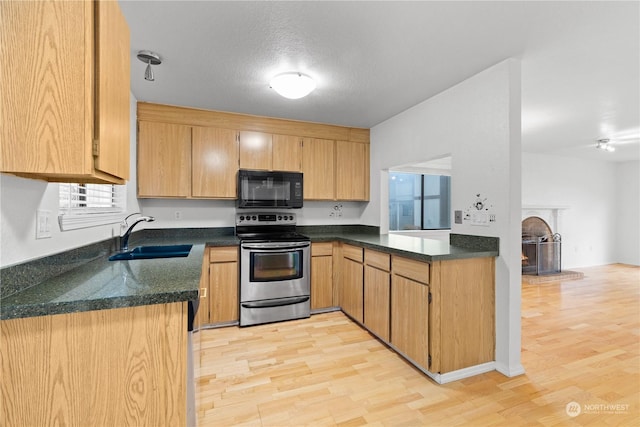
x=90 y=205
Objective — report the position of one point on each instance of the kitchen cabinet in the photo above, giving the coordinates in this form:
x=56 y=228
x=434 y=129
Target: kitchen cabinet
x=287 y=153
x=410 y=309
x=263 y=151
x=114 y=367
x=65 y=86
x=324 y=153
x=219 y=287
x=214 y=163
x=351 y=283
x=164 y=160
x=463 y=318
x=352 y=170
x=377 y=293
x=318 y=169
x=321 y=276
x=255 y=150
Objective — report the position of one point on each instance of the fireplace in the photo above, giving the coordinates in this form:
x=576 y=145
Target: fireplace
x=541 y=247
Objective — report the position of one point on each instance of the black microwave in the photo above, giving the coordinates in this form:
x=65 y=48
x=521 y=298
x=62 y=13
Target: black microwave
x=269 y=189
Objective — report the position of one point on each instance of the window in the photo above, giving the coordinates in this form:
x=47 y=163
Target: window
x=419 y=202
x=88 y=205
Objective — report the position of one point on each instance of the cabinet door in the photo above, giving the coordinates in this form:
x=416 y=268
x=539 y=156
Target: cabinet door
x=318 y=169
x=321 y=275
x=223 y=285
x=164 y=160
x=352 y=170
x=255 y=150
x=112 y=90
x=202 y=316
x=287 y=153
x=214 y=162
x=410 y=319
x=351 y=292
x=49 y=84
x=377 y=301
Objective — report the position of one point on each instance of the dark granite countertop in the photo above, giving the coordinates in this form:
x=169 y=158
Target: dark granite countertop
x=415 y=247
x=84 y=279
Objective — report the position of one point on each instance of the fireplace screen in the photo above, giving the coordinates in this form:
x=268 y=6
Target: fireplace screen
x=541 y=249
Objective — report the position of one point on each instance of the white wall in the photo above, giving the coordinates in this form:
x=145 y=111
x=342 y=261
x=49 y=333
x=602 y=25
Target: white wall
x=478 y=123
x=627 y=244
x=221 y=213
x=21 y=197
x=587 y=188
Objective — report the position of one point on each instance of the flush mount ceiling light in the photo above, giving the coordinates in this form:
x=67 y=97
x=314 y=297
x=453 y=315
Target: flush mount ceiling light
x=149 y=58
x=603 y=144
x=293 y=85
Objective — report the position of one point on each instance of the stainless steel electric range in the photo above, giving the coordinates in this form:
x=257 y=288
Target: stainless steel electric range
x=274 y=268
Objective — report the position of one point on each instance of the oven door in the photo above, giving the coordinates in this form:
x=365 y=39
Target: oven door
x=273 y=270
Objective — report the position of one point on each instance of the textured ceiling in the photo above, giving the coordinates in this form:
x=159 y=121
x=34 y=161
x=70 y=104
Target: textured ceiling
x=373 y=60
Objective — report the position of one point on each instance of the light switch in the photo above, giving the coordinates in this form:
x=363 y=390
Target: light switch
x=43 y=224
x=457 y=217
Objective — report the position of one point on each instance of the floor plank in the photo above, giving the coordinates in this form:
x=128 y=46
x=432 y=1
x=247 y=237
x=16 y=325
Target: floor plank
x=580 y=343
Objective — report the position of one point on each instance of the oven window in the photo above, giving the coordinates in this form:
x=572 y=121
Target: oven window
x=276 y=266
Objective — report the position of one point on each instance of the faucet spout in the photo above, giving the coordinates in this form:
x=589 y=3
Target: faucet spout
x=124 y=239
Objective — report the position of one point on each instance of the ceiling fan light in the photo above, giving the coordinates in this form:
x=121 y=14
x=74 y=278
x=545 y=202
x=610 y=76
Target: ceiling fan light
x=604 y=145
x=293 y=85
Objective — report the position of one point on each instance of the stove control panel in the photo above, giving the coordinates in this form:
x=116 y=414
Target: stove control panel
x=265 y=218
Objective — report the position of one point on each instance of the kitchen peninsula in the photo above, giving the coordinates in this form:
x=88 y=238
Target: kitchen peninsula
x=114 y=334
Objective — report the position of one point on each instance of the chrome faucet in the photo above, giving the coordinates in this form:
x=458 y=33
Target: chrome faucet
x=124 y=239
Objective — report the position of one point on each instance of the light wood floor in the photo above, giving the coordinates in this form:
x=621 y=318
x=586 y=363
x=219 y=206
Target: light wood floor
x=580 y=343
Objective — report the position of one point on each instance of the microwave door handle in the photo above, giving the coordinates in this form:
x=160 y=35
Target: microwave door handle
x=277 y=246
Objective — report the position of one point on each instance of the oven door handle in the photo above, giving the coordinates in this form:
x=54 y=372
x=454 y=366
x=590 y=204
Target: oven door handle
x=276 y=246
x=275 y=303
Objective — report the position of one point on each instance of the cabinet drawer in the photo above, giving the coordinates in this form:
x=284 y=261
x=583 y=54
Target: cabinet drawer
x=225 y=254
x=377 y=259
x=352 y=252
x=322 y=249
x=414 y=270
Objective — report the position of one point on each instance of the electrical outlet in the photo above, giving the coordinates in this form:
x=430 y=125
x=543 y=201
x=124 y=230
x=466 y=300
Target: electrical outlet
x=177 y=215
x=43 y=224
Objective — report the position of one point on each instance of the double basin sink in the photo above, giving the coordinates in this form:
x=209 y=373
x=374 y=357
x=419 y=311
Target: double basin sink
x=151 y=252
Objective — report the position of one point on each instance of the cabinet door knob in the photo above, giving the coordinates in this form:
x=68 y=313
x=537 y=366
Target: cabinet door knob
x=203 y=292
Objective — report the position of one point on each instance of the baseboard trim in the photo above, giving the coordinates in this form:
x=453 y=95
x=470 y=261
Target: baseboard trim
x=508 y=371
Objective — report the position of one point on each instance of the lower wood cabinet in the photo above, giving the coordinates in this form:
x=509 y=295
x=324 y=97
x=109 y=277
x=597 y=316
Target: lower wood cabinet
x=219 y=287
x=377 y=293
x=410 y=319
x=321 y=276
x=115 y=367
x=351 y=283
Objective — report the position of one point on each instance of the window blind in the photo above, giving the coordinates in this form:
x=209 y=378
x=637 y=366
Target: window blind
x=89 y=205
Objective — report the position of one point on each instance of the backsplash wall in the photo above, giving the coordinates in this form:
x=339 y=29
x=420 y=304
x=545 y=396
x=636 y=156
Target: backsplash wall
x=176 y=213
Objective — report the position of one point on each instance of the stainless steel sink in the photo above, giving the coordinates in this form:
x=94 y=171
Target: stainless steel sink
x=150 y=252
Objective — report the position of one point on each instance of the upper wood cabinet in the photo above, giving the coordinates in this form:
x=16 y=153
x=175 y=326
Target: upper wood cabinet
x=264 y=151
x=318 y=169
x=164 y=160
x=352 y=170
x=255 y=150
x=65 y=91
x=214 y=162
x=287 y=153
x=326 y=154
